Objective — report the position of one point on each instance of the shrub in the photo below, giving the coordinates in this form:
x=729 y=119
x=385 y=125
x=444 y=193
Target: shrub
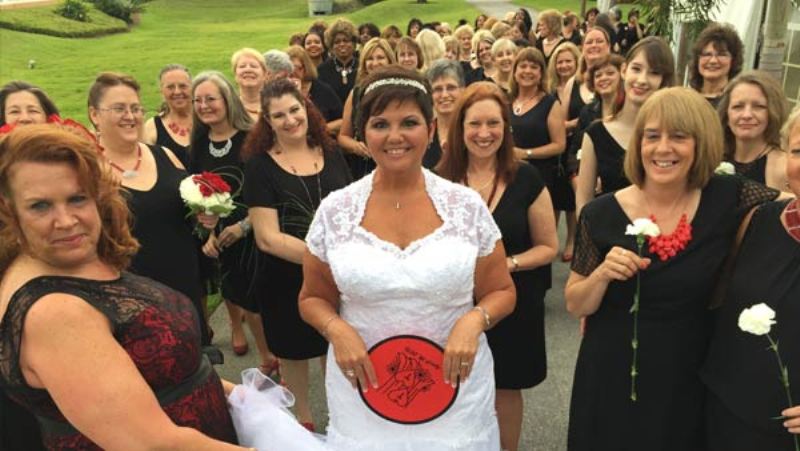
x=74 y=9
x=121 y=9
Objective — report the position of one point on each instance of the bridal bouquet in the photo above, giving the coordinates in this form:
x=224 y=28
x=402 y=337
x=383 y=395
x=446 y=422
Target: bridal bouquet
x=207 y=193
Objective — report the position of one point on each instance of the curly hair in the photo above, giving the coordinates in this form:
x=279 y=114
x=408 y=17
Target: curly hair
x=261 y=137
x=50 y=143
x=724 y=38
x=341 y=26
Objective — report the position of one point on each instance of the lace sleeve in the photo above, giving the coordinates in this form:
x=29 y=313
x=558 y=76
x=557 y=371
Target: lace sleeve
x=315 y=238
x=752 y=194
x=487 y=231
x=587 y=255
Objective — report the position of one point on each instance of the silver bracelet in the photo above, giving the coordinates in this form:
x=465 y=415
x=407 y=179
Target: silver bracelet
x=486 y=318
x=245 y=225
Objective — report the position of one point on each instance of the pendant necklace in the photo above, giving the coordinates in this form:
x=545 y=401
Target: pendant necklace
x=494 y=181
x=219 y=152
x=518 y=107
x=342 y=70
x=311 y=205
x=127 y=173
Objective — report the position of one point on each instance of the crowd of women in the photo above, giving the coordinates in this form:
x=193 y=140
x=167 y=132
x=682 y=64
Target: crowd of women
x=409 y=184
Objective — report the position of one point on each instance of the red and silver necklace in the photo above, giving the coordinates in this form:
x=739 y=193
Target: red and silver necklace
x=126 y=173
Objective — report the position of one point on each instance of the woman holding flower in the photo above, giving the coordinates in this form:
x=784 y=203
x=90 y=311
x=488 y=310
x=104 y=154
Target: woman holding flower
x=221 y=123
x=292 y=165
x=650 y=401
x=745 y=394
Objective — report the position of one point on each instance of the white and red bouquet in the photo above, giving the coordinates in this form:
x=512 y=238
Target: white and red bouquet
x=207 y=193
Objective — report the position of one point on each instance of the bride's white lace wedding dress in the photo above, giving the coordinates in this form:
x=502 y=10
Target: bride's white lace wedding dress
x=420 y=290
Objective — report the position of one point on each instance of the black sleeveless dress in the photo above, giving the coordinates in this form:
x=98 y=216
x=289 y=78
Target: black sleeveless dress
x=530 y=130
x=237 y=264
x=169 y=251
x=610 y=156
x=673 y=327
x=164 y=139
x=740 y=371
x=518 y=367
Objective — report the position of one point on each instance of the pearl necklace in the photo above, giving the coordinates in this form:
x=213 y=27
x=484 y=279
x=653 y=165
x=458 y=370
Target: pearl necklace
x=219 y=152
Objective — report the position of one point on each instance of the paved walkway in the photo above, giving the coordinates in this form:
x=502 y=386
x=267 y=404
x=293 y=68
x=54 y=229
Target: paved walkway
x=546 y=406
x=499 y=8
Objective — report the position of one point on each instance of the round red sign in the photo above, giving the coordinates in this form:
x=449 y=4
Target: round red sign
x=411 y=387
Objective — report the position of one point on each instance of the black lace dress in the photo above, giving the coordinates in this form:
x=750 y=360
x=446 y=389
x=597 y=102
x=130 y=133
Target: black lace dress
x=159 y=330
x=296 y=198
x=673 y=327
x=754 y=170
x=740 y=371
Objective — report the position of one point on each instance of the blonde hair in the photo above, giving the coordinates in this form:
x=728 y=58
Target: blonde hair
x=553 y=19
x=431 y=45
x=252 y=53
x=786 y=130
x=366 y=51
x=481 y=36
x=552 y=72
x=452 y=44
x=503 y=44
x=684 y=110
x=500 y=29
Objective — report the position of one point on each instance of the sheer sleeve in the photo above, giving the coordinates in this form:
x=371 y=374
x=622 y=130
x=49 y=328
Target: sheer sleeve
x=587 y=256
x=753 y=194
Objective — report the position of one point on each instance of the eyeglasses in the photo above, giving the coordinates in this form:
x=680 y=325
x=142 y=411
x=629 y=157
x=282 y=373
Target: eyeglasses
x=719 y=56
x=120 y=110
x=205 y=100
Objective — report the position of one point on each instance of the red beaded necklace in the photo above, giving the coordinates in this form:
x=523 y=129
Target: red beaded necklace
x=126 y=173
x=791 y=216
x=666 y=246
x=177 y=129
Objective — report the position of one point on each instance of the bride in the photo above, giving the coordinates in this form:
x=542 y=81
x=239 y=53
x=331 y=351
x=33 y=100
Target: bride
x=405 y=252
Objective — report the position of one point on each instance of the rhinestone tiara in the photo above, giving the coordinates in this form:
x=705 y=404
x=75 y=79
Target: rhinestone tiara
x=395 y=82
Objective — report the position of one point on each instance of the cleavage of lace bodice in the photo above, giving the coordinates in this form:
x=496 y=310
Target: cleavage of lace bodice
x=419 y=290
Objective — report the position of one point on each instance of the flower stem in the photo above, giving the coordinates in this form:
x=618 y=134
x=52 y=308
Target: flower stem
x=635 y=312
x=784 y=380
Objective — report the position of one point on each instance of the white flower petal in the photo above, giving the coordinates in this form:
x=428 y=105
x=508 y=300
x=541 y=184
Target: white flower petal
x=757 y=320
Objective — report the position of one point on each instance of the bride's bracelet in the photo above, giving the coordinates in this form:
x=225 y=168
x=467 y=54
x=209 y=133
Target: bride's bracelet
x=328 y=324
x=486 y=318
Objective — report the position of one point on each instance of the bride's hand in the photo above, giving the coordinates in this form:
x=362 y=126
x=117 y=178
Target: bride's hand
x=351 y=354
x=462 y=344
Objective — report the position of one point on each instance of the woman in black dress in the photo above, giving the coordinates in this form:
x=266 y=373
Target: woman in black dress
x=168 y=252
x=537 y=118
x=675 y=147
x=320 y=94
x=376 y=53
x=741 y=373
x=292 y=165
x=482 y=157
x=752 y=110
x=717 y=57
x=171 y=128
x=447 y=86
x=649 y=67
x=549 y=33
x=562 y=67
x=220 y=126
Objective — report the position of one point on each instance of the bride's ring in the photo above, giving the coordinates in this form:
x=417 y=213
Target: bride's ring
x=464 y=363
x=349 y=373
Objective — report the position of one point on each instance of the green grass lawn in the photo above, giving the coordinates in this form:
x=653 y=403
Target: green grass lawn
x=199 y=34
x=46 y=21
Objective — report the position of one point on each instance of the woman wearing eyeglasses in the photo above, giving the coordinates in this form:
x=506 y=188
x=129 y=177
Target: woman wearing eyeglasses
x=716 y=59
x=168 y=252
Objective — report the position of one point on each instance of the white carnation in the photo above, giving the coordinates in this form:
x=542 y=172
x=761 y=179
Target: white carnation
x=643 y=226
x=725 y=168
x=757 y=320
x=190 y=192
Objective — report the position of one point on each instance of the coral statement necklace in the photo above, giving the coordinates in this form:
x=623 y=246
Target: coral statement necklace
x=791 y=216
x=667 y=246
